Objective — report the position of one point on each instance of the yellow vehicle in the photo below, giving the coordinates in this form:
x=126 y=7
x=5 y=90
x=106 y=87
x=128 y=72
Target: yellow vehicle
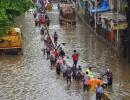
x=11 y=42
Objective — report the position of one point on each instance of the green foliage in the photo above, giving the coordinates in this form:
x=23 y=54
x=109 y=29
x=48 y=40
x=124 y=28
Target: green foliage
x=1 y=32
x=9 y=9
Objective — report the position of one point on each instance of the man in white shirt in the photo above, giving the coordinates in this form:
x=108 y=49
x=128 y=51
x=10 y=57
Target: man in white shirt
x=64 y=68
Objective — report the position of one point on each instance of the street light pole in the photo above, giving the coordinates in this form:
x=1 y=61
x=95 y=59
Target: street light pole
x=117 y=37
x=95 y=14
x=117 y=24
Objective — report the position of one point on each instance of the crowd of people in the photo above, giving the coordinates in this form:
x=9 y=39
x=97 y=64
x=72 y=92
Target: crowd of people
x=58 y=61
x=41 y=18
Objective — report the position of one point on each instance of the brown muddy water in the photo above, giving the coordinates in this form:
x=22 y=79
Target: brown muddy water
x=29 y=77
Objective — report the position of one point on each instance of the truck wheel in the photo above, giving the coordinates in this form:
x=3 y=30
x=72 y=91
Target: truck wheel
x=20 y=52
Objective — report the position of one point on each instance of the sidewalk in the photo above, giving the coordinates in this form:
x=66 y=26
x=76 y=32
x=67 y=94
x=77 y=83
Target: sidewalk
x=81 y=16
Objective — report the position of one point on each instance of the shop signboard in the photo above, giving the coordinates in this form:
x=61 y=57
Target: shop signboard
x=112 y=16
x=120 y=26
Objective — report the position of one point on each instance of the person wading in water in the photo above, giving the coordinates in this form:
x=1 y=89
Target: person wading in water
x=99 y=92
x=55 y=38
x=75 y=57
x=61 y=52
x=68 y=75
x=86 y=82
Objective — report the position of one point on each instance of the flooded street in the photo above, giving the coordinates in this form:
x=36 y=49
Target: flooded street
x=29 y=77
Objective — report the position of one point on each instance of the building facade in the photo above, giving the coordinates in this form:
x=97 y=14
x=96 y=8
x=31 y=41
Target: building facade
x=118 y=4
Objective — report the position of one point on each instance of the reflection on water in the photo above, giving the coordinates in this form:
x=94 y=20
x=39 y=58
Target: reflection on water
x=29 y=77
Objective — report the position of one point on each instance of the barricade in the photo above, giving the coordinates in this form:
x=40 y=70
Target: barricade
x=52 y=41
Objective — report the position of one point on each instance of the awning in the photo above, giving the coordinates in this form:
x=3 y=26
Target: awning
x=103 y=8
x=100 y=10
x=112 y=16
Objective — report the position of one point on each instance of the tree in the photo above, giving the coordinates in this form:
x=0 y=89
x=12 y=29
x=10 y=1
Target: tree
x=9 y=9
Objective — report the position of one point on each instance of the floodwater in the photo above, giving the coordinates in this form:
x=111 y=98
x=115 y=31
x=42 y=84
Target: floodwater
x=29 y=77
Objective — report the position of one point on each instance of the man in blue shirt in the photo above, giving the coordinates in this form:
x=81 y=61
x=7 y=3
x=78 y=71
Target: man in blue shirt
x=99 y=92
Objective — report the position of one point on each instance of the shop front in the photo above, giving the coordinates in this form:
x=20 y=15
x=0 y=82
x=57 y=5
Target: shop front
x=93 y=8
x=116 y=30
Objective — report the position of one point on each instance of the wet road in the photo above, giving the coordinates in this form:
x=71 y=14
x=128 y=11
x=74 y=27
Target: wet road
x=29 y=77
